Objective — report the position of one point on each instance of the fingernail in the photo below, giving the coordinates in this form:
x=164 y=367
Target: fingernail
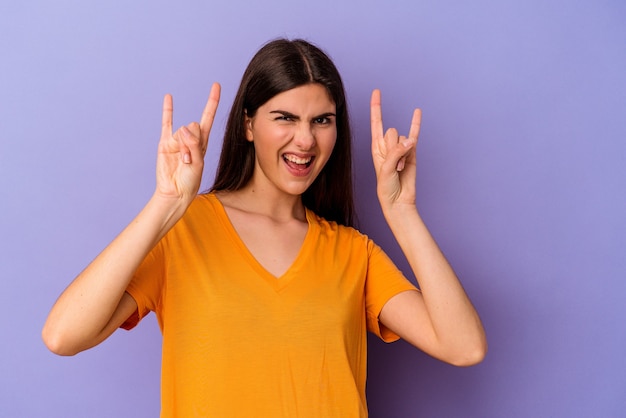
x=407 y=142
x=186 y=158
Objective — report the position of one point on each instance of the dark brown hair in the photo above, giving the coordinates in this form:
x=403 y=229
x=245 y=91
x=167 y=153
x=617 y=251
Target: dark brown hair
x=279 y=66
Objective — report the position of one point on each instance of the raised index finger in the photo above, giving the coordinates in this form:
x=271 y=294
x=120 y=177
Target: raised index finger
x=166 y=119
x=414 y=131
x=376 y=115
x=208 y=114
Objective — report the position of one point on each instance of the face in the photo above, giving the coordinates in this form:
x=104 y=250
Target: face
x=293 y=135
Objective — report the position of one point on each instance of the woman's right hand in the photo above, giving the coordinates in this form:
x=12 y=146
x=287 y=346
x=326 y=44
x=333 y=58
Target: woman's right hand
x=180 y=158
x=95 y=304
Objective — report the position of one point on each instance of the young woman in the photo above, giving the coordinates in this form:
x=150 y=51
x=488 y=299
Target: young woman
x=262 y=288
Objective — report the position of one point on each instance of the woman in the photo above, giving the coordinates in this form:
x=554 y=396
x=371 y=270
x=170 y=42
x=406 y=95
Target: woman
x=262 y=289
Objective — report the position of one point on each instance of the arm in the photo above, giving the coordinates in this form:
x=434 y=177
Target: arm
x=440 y=320
x=95 y=303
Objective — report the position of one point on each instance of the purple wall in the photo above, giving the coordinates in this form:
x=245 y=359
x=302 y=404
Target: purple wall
x=521 y=179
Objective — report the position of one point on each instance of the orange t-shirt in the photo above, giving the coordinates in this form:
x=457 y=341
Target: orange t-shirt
x=239 y=342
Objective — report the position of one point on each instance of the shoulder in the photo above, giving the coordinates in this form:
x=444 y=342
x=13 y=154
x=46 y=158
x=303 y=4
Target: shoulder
x=201 y=205
x=203 y=201
x=204 y=211
x=342 y=234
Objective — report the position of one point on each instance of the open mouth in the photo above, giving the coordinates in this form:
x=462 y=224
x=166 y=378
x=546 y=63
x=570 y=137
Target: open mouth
x=296 y=162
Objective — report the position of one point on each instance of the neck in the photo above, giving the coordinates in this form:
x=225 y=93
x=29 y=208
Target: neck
x=275 y=205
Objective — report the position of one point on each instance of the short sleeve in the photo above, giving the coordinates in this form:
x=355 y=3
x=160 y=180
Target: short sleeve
x=146 y=287
x=384 y=280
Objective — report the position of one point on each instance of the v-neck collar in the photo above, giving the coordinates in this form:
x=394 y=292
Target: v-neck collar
x=277 y=283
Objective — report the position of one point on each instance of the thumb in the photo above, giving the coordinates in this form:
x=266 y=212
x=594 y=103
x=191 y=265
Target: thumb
x=399 y=153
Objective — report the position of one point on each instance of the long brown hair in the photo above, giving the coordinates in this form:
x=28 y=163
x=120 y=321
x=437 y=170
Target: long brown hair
x=279 y=66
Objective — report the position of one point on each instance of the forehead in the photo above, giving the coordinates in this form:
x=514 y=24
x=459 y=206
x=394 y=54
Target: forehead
x=306 y=98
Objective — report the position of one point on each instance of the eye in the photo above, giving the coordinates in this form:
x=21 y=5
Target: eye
x=324 y=120
x=284 y=117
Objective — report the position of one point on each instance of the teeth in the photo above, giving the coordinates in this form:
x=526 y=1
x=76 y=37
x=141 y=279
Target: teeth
x=297 y=160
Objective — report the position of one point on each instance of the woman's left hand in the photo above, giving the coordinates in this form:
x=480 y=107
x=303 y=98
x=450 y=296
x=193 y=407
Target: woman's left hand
x=439 y=319
x=394 y=157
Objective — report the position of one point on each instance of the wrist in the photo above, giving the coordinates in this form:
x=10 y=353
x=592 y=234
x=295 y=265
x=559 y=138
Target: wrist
x=400 y=216
x=396 y=209
x=167 y=209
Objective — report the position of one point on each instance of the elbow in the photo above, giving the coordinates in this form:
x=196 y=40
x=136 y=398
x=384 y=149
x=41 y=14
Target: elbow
x=56 y=342
x=470 y=358
x=471 y=355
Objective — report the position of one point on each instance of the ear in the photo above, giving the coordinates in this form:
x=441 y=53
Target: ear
x=248 y=127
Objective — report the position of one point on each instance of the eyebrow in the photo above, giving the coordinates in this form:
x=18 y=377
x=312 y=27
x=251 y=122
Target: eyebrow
x=291 y=115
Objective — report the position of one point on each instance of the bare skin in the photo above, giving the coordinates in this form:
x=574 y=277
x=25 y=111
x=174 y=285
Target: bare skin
x=268 y=213
x=440 y=320
x=269 y=217
x=95 y=304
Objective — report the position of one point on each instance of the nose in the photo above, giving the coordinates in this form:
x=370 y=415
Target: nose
x=304 y=137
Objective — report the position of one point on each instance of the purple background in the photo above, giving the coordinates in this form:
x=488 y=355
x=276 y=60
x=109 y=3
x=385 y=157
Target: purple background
x=521 y=179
